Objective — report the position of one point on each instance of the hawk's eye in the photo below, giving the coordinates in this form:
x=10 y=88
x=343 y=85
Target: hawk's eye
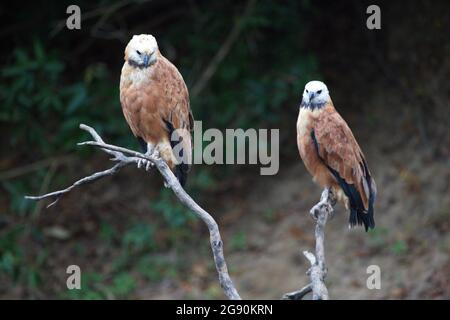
x=138 y=52
x=307 y=91
x=319 y=92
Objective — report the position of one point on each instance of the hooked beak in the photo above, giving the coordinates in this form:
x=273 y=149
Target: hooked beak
x=147 y=60
x=311 y=96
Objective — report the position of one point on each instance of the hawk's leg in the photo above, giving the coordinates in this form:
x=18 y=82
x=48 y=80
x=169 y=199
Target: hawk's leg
x=145 y=163
x=333 y=200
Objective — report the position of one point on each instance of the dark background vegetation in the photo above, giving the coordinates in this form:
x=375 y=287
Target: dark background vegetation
x=130 y=236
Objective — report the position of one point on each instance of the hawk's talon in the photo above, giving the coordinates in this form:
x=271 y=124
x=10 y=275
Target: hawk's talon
x=146 y=164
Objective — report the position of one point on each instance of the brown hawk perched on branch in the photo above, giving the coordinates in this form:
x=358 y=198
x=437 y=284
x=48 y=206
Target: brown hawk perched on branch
x=155 y=103
x=332 y=156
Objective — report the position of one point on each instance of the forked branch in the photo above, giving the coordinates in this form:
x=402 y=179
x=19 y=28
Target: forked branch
x=318 y=271
x=124 y=157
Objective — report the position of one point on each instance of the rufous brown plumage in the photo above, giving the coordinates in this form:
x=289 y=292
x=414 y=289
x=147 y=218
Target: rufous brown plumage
x=332 y=156
x=155 y=103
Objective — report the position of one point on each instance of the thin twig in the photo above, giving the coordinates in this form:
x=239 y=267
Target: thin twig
x=95 y=176
x=119 y=156
x=44 y=188
x=299 y=294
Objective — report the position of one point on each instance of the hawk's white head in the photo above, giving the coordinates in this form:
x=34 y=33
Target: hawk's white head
x=315 y=95
x=141 y=51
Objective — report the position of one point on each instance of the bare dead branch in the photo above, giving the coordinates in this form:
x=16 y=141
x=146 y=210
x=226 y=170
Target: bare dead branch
x=56 y=195
x=119 y=156
x=299 y=294
x=318 y=271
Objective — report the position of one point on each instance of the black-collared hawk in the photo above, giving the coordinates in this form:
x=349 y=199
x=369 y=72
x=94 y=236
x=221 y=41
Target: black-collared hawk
x=155 y=103
x=333 y=157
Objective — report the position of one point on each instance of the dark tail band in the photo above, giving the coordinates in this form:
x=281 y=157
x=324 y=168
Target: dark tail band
x=358 y=214
x=182 y=169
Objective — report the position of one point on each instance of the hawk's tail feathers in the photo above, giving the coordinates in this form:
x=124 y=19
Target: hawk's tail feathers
x=181 y=172
x=361 y=217
x=181 y=169
x=358 y=214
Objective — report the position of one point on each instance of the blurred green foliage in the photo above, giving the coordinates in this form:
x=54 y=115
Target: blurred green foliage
x=156 y=268
x=13 y=260
x=399 y=247
x=93 y=287
x=10 y=259
x=175 y=214
x=37 y=97
x=261 y=74
x=238 y=241
x=378 y=238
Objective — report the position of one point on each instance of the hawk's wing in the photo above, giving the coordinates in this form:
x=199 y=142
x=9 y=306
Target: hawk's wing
x=338 y=149
x=176 y=111
x=155 y=102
